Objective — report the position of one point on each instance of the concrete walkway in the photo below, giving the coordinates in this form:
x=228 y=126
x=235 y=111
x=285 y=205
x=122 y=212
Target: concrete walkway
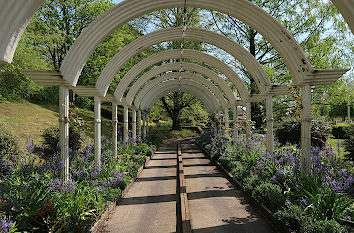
x=214 y=204
x=150 y=204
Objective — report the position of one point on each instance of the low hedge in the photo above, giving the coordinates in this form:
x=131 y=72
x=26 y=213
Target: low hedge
x=340 y=131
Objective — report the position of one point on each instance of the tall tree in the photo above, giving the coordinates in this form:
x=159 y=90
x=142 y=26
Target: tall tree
x=316 y=25
x=176 y=103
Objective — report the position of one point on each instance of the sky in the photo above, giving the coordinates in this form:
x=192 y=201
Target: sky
x=117 y=1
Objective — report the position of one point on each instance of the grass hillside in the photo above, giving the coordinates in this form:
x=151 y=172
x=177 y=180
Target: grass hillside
x=26 y=120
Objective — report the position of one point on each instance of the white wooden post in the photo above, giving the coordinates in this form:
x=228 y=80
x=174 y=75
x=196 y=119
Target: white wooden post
x=125 y=125
x=115 y=128
x=235 y=119
x=220 y=122
x=64 y=131
x=144 y=125
x=248 y=122
x=147 y=123
x=139 y=126
x=306 y=120
x=270 y=120
x=98 y=131
x=134 y=126
x=226 y=118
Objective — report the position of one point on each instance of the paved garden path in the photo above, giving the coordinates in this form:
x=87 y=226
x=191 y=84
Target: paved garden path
x=214 y=204
x=151 y=205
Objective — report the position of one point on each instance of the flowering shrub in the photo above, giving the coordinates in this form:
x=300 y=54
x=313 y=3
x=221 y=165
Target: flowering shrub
x=33 y=195
x=319 y=200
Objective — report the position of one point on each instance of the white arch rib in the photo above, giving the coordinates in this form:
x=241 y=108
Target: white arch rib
x=170 y=34
x=280 y=38
x=185 y=76
x=175 y=66
x=175 y=54
x=207 y=98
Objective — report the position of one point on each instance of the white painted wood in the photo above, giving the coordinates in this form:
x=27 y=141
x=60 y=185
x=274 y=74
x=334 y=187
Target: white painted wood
x=226 y=117
x=64 y=131
x=236 y=123
x=144 y=125
x=147 y=123
x=270 y=120
x=98 y=145
x=131 y=75
x=248 y=122
x=133 y=126
x=306 y=120
x=114 y=128
x=125 y=125
x=139 y=126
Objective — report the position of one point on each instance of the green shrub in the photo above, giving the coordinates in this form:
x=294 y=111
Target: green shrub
x=349 y=143
x=84 y=102
x=269 y=194
x=8 y=143
x=51 y=139
x=13 y=84
x=291 y=216
x=251 y=182
x=290 y=132
x=239 y=170
x=340 y=131
x=324 y=226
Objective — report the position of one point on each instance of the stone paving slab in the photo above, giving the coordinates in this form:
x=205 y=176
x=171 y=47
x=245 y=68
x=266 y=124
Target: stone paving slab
x=150 y=204
x=215 y=205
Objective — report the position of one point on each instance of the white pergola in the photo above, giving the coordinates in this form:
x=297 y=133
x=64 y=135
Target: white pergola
x=202 y=82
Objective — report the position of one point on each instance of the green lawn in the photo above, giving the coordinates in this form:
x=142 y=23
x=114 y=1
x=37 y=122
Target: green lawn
x=26 y=120
x=334 y=144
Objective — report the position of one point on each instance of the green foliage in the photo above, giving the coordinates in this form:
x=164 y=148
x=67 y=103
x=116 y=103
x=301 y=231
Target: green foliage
x=14 y=85
x=269 y=194
x=291 y=216
x=8 y=143
x=324 y=226
x=340 y=131
x=349 y=142
x=51 y=139
x=290 y=132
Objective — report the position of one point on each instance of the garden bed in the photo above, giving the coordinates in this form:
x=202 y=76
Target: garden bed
x=321 y=201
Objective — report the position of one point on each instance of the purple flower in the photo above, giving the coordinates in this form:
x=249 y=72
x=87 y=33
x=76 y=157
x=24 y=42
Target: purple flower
x=347 y=217
x=6 y=224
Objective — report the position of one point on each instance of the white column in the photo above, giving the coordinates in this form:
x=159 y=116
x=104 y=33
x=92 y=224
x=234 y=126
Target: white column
x=64 y=131
x=270 y=120
x=133 y=125
x=216 y=129
x=98 y=131
x=226 y=121
x=235 y=119
x=125 y=125
x=115 y=128
x=220 y=123
x=139 y=125
x=248 y=122
x=147 y=123
x=144 y=125
x=306 y=120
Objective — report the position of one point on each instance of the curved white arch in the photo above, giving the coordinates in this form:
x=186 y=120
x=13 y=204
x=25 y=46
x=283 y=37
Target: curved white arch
x=196 y=89
x=14 y=17
x=197 y=93
x=280 y=38
x=175 y=54
x=175 y=66
x=185 y=76
x=170 y=34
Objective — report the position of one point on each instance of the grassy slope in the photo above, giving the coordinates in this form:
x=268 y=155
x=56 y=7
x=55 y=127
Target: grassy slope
x=26 y=120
